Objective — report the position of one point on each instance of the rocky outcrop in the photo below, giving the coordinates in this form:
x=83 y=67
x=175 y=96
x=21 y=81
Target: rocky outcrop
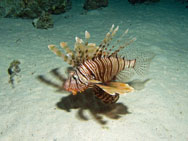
x=44 y=21
x=95 y=4
x=142 y=1
x=32 y=8
x=184 y=2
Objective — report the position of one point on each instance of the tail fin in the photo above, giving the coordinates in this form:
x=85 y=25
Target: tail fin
x=142 y=63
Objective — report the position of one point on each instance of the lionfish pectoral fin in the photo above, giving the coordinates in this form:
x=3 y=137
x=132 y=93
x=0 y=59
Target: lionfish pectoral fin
x=94 y=81
x=120 y=86
x=113 y=88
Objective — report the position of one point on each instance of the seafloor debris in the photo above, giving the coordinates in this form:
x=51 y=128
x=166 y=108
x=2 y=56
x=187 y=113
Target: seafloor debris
x=44 y=21
x=101 y=67
x=13 y=71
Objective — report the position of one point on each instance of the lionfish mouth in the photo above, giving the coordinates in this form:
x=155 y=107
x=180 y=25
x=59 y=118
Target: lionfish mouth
x=67 y=87
x=73 y=86
x=73 y=91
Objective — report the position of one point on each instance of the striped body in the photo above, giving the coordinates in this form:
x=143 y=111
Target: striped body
x=103 y=69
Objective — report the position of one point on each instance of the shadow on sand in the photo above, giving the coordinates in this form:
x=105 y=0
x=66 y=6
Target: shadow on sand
x=85 y=101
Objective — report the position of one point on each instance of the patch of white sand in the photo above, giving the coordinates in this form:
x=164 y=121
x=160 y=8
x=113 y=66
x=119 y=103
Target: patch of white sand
x=158 y=112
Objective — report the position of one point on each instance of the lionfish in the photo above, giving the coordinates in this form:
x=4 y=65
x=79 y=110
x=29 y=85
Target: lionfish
x=98 y=67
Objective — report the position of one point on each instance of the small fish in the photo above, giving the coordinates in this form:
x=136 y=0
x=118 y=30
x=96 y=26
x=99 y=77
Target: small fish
x=99 y=67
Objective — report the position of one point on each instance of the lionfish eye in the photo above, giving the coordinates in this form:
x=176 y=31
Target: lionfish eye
x=74 y=76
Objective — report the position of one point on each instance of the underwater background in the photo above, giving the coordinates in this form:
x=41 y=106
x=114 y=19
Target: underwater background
x=33 y=108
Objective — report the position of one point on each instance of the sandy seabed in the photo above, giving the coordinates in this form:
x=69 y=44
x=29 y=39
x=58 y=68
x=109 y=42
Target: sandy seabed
x=33 y=110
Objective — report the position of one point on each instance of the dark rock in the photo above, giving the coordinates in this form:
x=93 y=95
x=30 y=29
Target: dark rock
x=183 y=2
x=142 y=1
x=30 y=9
x=95 y=4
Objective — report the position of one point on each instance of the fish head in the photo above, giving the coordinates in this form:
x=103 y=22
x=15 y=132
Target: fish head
x=74 y=84
x=70 y=84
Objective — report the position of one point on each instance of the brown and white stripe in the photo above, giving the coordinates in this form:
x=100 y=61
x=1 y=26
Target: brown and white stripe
x=103 y=69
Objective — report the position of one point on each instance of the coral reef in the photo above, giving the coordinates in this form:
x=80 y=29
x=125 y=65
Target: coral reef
x=94 y=4
x=32 y=8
